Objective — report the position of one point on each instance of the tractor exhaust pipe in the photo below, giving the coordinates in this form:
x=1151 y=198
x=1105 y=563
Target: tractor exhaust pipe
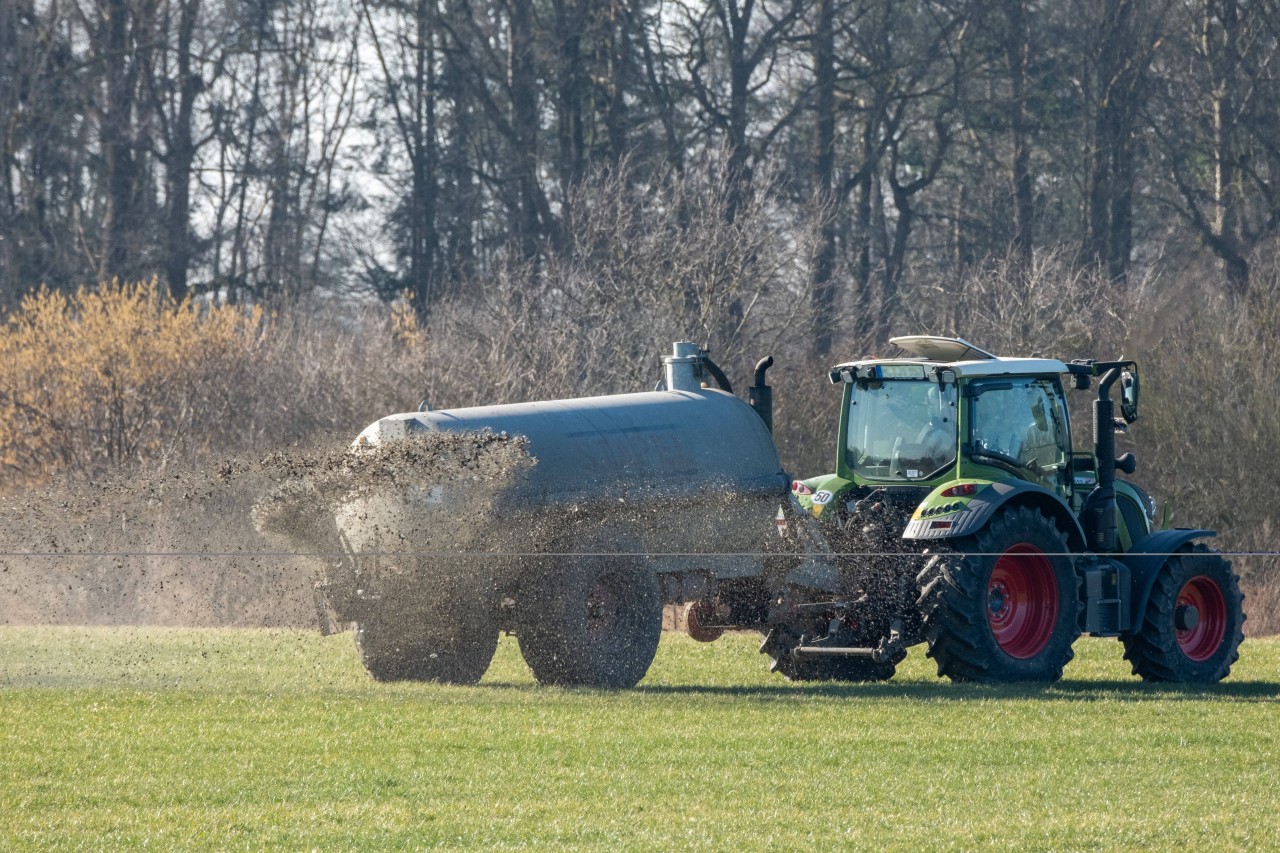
x=1101 y=523
x=1098 y=517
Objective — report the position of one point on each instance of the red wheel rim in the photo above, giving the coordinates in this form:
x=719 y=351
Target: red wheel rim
x=1204 y=640
x=698 y=619
x=1022 y=601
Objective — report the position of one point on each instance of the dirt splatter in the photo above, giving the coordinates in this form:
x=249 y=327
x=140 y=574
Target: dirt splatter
x=235 y=542
x=169 y=547
x=250 y=541
x=390 y=526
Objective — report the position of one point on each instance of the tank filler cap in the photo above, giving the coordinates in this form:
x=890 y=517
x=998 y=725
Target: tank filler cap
x=683 y=368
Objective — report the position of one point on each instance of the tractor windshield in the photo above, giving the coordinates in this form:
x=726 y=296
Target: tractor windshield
x=901 y=429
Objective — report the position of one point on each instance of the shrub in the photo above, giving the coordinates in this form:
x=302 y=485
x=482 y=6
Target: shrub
x=644 y=263
x=114 y=375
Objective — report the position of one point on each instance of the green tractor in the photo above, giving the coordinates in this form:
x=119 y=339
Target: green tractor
x=961 y=516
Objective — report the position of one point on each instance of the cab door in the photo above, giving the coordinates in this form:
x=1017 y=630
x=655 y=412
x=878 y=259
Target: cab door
x=1020 y=424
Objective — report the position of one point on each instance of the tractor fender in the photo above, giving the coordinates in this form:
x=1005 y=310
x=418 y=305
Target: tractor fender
x=991 y=499
x=819 y=496
x=1147 y=557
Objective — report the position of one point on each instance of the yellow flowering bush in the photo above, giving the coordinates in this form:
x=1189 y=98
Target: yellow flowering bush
x=114 y=375
x=406 y=331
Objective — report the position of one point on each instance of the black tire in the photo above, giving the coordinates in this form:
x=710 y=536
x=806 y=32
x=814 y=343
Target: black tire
x=1003 y=604
x=591 y=622
x=1165 y=647
x=451 y=640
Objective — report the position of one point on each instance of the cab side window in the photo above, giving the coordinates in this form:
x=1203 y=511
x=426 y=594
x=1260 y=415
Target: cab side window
x=1023 y=420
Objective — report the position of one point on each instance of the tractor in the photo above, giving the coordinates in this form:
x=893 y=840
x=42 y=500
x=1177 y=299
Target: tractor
x=961 y=515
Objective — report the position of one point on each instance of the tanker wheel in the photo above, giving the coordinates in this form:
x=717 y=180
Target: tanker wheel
x=1192 y=627
x=591 y=622
x=450 y=640
x=1005 y=605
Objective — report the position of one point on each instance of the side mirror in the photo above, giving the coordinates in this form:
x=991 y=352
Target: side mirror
x=1129 y=396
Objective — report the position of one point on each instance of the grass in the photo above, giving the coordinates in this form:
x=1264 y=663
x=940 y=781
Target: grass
x=253 y=740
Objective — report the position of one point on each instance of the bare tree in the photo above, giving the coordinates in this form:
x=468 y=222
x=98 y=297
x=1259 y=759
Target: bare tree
x=1218 y=121
x=407 y=57
x=123 y=38
x=1126 y=35
x=1017 y=53
x=283 y=109
x=44 y=152
x=897 y=86
x=734 y=48
x=189 y=63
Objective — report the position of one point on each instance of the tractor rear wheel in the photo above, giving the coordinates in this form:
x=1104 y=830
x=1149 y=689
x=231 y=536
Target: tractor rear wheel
x=451 y=639
x=1004 y=604
x=591 y=622
x=1193 y=624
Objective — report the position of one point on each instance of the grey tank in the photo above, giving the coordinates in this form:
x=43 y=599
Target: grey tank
x=632 y=447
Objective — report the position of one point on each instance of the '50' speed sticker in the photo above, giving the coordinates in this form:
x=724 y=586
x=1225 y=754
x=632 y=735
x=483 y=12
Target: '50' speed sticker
x=822 y=497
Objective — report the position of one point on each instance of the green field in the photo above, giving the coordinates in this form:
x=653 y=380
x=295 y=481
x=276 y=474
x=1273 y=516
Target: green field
x=230 y=740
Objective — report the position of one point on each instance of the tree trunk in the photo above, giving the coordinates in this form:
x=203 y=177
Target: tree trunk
x=740 y=68
x=117 y=143
x=822 y=286
x=1017 y=44
x=181 y=156
x=1109 y=235
x=422 y=150
x=524 y=127
x=1225 y=55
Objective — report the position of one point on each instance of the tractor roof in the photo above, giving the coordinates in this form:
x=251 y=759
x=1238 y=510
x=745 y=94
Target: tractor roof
x=960 y=356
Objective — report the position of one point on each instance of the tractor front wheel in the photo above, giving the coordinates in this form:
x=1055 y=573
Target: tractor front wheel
x=1004 y=604
x=1193 y=624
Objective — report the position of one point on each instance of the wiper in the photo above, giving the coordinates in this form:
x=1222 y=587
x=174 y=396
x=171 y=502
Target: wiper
x=1000 y=460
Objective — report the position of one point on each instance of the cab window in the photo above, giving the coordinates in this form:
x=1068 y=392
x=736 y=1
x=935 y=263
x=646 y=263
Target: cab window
x=901 y=429
x=1022 y=423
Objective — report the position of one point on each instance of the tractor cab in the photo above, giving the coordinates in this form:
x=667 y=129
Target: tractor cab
x=942 y=423
x=942 y=410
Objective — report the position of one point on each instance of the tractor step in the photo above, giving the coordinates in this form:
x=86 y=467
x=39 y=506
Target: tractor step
x=891 y=649
x=1107 y=591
